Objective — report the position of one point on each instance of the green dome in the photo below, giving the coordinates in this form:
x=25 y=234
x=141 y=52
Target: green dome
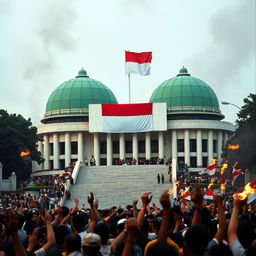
x=74 y=96
x=185 y=93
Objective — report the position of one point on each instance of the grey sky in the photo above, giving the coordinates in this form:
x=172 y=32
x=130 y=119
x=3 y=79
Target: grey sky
x=44 y=43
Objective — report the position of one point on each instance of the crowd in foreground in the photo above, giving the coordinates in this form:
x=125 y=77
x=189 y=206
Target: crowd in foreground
x=177 y=228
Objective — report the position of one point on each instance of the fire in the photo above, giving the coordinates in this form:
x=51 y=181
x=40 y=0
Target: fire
x=233 y=147
x=223 y=168
x=222 y=186
x=170 y=191
x=245 y=193
x=212 y=182
x=214 y=160
x=25 y=153
x=185 y=191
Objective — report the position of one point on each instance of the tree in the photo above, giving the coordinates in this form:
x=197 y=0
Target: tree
x=17 y=134
x=245 y=136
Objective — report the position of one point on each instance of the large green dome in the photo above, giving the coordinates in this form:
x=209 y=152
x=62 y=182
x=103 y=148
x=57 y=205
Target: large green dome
x=185 y=93
x=74 y=96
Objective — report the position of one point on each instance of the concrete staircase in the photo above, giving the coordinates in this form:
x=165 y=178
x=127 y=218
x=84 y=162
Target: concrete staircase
x=118 y=185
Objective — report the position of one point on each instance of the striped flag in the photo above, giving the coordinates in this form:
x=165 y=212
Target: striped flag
x=209 y=170
x=118 y=118
x=138 y=62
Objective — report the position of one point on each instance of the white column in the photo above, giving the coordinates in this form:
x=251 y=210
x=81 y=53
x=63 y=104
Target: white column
x=96 y=148
x=56 y=151
x=122 y=146
x=109 y=149
x=46 y=152
x=174 y=144
x=174 y=176
x=160 y=144
x=199 y=158
x=67 y=149
x=210 y=147
x=148 y=145
x=219 y=149
x=135 y=147
x=40 y=149
x=186 y=147
x=80 y=146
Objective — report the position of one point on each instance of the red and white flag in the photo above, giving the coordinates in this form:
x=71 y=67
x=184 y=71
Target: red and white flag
x=118 y=118
x=209 y=170
x=187 y=196
x=235 y=174
x=138 y=62
x=208 y=194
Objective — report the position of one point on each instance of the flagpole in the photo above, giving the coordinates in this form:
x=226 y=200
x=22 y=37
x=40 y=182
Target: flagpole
x=129 y=84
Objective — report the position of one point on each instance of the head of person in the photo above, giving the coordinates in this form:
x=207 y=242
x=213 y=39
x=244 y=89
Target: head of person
x=72 y=243
x=79 y=222
x=102 y=229
x=60 y=233
x=91 y=244
x=196 y=240
x=246 y=233
x=161 y=248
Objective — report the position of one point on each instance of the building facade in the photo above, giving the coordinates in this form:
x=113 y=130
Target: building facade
x=195 y=131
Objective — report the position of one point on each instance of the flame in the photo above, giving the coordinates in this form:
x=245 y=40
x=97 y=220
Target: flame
x=233 y=147
x=222 y=186
x=185 y=191
x=170 y=191
x=214 y=160
x=223 y=168
x=212 y=182
x=246 y=192
x=25 y=153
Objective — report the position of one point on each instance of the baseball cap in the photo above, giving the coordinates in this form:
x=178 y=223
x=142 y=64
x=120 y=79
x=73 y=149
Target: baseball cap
x=91 y=240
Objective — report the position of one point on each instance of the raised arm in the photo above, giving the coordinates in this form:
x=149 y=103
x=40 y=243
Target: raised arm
x=221 y=218
x=146 y=199
x=197 y=198
x=165 y=202
x=94 y=214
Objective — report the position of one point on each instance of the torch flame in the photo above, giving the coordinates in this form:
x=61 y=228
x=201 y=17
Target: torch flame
x=222 y=186
x=233 y=147
x=245 y=193
x=223 y=168
x=212 y=182
x=214 y=160
x=185 y=191
x=25 y=153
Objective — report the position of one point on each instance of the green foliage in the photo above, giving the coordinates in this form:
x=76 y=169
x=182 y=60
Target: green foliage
x=245 y=136
x=17 y=134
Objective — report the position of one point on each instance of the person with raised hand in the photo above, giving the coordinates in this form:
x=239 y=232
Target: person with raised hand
x=146 y=199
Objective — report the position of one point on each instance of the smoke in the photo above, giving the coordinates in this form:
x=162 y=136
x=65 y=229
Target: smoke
x=232 y=45
x=53 y=40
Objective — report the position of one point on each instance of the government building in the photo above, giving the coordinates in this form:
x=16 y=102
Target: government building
x=194 y=132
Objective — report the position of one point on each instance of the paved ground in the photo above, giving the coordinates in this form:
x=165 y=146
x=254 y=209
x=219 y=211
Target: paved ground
x=118 y=185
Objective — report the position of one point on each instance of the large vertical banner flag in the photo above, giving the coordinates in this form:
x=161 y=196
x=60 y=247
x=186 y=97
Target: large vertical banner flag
x=138 y=62
x=127 y=117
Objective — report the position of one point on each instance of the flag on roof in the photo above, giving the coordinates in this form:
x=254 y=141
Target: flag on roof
x=209 y=170
x=138 y=62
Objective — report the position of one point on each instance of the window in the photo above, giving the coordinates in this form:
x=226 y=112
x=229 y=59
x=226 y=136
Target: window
x=62 y=164
x=128 y=147
x=51 y=149
x=154 y=146
x=62 y=148
x=115 y=147
x=192 y=145
x=180 y=145
x=181 y=164
x=74 y=148
x=141 y=146
x=103 y=147
x=205 y=161
x=204 y=145
x=193 y=162
x=214 y=146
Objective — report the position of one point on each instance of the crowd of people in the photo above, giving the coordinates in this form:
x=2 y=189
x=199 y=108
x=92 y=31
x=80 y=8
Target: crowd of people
x=223 y=226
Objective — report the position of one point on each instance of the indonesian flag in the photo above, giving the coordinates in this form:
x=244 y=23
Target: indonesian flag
x=138 y=62
x=208 y=194
x=235 y=174
x=187 y=196
x=209 y=170
x=124 y=118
